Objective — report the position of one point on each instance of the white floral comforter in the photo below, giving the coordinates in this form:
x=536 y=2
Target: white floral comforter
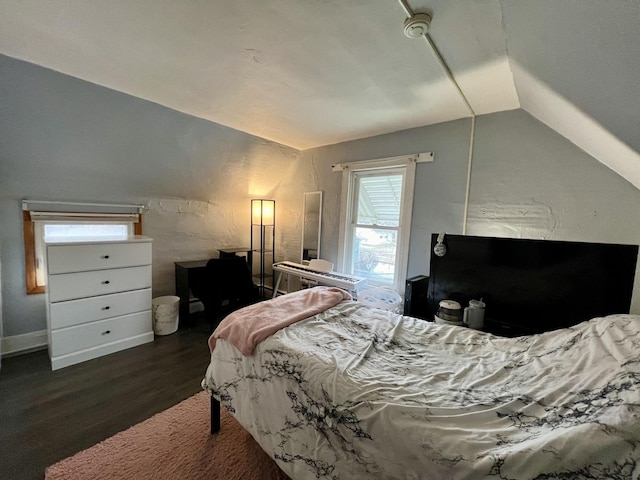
x=359 y=393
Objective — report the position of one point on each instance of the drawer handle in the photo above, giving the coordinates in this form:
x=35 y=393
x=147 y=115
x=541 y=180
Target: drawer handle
x=106 y=282
x=106 y=308
x=105 y=256
x=106 y=332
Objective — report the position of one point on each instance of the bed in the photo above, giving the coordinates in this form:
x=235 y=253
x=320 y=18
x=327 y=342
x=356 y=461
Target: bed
x=337 y=390
x=354 y=392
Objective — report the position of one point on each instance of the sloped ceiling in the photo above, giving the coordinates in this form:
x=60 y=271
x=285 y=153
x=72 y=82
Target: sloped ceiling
x=316 y=72
x=576 y=67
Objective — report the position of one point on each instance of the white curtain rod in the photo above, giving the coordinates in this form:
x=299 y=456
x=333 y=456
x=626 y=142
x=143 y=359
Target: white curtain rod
x=38 y=215
x=27 y=205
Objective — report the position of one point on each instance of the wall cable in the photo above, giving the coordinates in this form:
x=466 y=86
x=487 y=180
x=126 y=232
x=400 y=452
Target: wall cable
x=449 y=74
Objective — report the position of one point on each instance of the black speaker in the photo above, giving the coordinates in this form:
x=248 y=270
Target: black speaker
x=415 y=297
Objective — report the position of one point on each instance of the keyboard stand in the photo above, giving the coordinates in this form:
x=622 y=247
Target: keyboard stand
x=347 y=282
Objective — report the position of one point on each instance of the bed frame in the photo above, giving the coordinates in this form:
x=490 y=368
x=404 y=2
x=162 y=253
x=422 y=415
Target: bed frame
x=563 y=283
x=215 y=415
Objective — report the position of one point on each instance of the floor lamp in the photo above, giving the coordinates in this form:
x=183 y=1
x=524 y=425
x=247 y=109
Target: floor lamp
x=263 y=237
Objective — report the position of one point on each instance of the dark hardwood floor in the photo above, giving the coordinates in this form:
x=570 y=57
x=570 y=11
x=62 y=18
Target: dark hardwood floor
x=46 y=416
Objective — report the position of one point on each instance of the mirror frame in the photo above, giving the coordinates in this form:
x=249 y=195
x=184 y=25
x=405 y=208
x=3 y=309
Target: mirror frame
x=306 y=199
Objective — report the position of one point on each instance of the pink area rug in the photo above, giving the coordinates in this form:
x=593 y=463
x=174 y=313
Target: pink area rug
x=174 y=444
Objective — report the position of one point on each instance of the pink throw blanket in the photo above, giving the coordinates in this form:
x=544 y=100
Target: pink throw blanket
x=247 y=327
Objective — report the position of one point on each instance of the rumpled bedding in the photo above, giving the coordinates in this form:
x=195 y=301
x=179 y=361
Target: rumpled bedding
x=355 y=392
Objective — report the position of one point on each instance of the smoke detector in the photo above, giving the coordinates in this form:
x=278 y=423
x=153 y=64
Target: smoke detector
x=417 y=25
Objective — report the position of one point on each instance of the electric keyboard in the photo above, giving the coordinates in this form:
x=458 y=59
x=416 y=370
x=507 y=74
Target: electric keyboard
x=340 y=280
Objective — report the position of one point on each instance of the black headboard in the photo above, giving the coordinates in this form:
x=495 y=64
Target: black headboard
x=532 y=286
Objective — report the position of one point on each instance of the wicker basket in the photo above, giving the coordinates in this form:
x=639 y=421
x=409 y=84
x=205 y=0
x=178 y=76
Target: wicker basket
x=382 y=298
x=165 y=314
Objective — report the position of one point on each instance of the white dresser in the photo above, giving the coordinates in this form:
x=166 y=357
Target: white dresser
x=98 y=298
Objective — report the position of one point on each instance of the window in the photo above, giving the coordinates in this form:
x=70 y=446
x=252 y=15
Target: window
x=87 y=221
x=376 y=217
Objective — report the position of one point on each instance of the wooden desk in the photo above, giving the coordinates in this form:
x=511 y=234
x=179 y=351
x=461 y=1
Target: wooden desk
x=188 y=274
x=191 y=272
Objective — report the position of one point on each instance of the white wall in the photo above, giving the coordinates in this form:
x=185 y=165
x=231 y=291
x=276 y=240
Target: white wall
x=65 y=139
x=527 y=182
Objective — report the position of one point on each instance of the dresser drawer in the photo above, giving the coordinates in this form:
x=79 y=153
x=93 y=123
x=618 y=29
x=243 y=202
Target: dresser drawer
x=90 y=335
x=98 y=256
x=70 y=286
x=76 y=312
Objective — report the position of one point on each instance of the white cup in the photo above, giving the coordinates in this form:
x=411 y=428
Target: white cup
x=473 y=316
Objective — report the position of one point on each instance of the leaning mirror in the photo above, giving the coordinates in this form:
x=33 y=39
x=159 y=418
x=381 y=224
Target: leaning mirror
x=311 y=221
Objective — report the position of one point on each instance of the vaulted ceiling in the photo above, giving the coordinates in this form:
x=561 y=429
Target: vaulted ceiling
x=306 y=73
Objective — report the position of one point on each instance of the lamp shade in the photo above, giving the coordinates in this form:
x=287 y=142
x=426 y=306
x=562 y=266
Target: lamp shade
x=263 y=212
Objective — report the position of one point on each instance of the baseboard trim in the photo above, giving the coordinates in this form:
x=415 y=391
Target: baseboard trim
x=25 y=343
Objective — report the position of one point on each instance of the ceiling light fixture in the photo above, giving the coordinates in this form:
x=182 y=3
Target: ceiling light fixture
x=417 y=25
